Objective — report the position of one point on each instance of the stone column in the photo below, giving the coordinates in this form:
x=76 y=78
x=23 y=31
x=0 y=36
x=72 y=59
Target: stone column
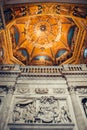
x=5 y=109
x=77 y=111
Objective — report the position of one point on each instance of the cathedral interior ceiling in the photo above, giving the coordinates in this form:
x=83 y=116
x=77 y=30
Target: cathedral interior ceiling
x=44 y=34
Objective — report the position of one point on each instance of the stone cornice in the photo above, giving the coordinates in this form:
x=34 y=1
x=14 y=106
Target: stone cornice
x=35 y=71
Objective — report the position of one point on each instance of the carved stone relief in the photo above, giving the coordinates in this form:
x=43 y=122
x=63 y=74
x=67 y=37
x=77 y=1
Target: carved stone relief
x=81 y=90
x=24 y=111
x=41 y=90
x=60 y=90
x=23 y=90
x=3 y=90
x=43 y=110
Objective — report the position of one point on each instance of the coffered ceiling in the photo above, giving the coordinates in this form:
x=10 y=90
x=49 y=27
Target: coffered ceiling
x=46 y=33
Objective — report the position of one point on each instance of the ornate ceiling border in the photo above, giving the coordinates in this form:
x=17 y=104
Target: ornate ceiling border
x=36 y=1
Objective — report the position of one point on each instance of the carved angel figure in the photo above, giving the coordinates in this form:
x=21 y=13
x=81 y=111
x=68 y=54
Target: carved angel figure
x=24 y=111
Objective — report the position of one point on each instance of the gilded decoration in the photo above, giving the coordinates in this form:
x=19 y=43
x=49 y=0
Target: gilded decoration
x=43 y=38
x=43 y=31
x=45 y=34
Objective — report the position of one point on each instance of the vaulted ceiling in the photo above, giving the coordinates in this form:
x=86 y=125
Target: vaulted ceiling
x=45 y=34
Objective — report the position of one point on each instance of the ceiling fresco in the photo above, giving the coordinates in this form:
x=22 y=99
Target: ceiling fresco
x=46 y=34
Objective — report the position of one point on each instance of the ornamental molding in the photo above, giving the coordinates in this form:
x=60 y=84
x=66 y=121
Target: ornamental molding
x=81 y=90
x=41 y=90
x=60 y=90
x=42 y=29
x=40 y=1
x=23 y=90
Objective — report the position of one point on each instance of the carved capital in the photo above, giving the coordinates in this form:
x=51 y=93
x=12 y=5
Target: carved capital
x=11 y=89
x=71 y=89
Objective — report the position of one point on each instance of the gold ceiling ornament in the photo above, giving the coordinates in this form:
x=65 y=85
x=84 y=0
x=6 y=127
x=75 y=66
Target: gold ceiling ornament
x=43 y=31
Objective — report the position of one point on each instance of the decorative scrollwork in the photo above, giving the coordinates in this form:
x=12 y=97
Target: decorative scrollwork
x=41 y=90
x=81 y=90
x=60 y=90
x=23 y=90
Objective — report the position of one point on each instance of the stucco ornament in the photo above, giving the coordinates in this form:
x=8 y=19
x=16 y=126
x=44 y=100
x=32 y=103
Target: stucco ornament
x=43 y=31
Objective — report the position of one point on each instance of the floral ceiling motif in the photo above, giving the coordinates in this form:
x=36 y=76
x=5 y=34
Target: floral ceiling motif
x=43 y=36
x=43 y=31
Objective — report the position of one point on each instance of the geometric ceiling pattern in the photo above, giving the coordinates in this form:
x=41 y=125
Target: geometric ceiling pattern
x=46 y=34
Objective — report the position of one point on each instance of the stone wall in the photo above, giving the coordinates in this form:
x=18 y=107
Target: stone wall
x=35 y=97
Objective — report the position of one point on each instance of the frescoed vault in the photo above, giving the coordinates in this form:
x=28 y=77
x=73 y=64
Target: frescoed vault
x=46 y=34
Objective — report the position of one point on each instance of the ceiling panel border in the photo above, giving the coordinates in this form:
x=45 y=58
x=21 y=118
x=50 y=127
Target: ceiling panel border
x=36 y=1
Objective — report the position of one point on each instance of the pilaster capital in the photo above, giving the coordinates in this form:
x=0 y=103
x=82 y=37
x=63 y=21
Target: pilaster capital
x=11 y=89
x=72 y=89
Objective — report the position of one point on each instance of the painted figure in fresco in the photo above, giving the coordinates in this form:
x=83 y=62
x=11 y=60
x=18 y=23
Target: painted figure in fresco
x=18 y=12
x=8 y=14
x=80 y=12
x=62 y=10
